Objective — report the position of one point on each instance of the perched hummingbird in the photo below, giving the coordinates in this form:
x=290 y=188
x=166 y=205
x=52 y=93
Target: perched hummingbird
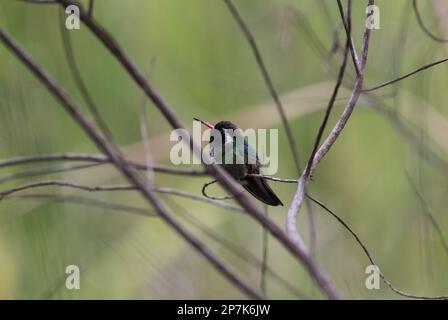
x=248 y=161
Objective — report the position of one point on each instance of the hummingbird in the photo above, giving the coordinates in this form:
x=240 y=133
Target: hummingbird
x=248 y=161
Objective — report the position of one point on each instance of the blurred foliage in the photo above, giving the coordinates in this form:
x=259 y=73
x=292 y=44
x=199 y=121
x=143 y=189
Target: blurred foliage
x=204 y=68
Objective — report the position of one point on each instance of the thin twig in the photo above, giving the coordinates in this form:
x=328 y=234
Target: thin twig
x=46 y=170
x=39 y=184
x=40 y=1
x=97 y=158
x=347 y=27
x=115 y=187
x=369 y=256
x=264 y=256
x=204 y=192
x=423 y=150
x=271 y=178
x=313 y=38
x=318 y=44
x=84 y=201
x=76 y=74
x=405 y=76
x=91 y=5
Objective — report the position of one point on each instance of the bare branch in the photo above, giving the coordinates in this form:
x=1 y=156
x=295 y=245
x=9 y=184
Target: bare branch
x=369 y=256
x=334 y=134
x=405 y=76
x=427 y=209
x=90 y=9
x=146 y=145
x=204 y=193
x=313 y=38
x=347 y=27
x=265 y=252
x=145 y=133
x=318 y=45
x=239 y=251
x=290 y=137
x=84 y=201
x=329 y=141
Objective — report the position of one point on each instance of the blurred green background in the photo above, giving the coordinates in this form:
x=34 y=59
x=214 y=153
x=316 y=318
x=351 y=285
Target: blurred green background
x=204 y=68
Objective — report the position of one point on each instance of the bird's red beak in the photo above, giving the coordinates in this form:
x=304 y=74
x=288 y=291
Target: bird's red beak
x=205 y=123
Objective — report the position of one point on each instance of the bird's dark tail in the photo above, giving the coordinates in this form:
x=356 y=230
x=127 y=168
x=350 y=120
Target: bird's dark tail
x=259 y=188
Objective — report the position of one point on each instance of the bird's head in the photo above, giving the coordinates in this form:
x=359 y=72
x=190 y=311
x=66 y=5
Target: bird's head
x=221 y=127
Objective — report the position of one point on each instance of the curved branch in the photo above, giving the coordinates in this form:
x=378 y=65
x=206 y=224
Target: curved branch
x=405 y=76
x=99 y=188
x=423 y=27
x=299 y=196
x=267 y=79
x=335 y=90
x=90 y=9
x=76 y=74
x=369 y=256
x=299 y=252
